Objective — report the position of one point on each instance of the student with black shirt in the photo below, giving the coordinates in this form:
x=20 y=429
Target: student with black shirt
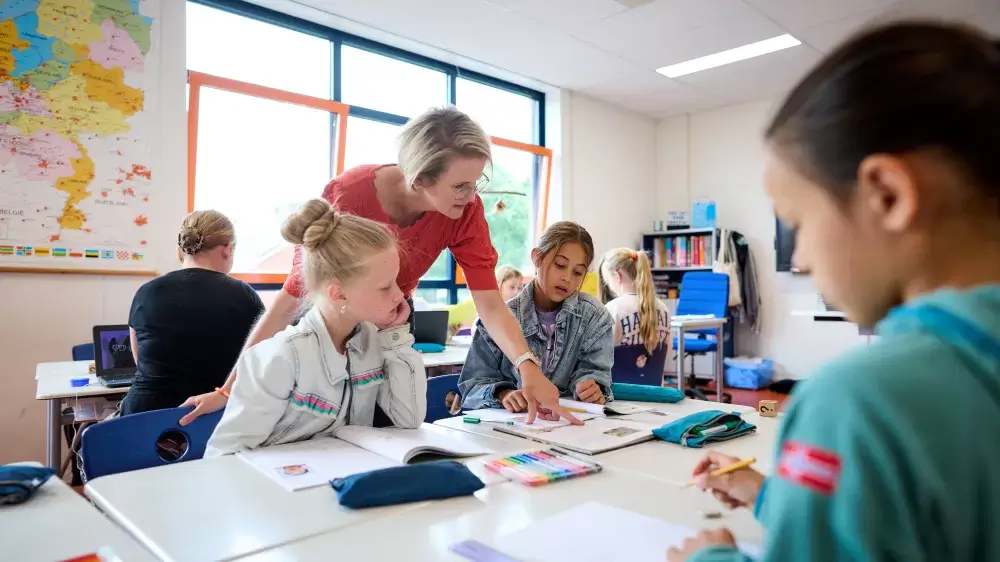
x=188 y=326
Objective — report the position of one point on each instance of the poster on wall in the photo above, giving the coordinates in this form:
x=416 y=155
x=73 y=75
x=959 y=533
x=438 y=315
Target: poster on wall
x=76 y=184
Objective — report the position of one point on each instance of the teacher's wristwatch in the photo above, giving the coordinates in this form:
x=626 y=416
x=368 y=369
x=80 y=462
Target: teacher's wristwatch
x=526 y=356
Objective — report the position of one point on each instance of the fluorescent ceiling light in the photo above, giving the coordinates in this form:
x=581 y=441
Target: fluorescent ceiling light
x=732 y=55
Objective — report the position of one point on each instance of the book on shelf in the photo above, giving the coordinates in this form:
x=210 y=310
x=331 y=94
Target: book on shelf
x=683 y=251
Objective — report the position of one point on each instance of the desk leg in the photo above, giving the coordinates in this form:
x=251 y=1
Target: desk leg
x=718 y=367
x=680 y=359
x=53 y=428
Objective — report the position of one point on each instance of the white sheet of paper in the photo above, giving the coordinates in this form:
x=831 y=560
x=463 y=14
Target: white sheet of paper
x=500 y=415
x=312 y=463
x=637 y=538
x=623 y=409
x=595 y=436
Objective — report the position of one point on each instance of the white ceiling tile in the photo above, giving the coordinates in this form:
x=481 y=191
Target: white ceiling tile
x=762 y=77
x=798 y=14
x=651 y=93
x=564 y=14
x=654 y=50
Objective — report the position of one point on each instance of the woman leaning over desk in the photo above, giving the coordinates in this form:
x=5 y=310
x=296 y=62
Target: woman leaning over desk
x=429 y=201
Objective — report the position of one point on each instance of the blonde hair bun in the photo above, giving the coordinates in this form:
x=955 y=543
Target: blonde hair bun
x=204 y=230
x=311 y=226
x=190 y=240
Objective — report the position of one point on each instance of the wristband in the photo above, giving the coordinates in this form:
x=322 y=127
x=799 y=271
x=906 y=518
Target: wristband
x=222 y=391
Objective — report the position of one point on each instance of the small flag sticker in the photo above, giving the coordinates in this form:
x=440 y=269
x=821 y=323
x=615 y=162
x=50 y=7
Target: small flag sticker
x=107 y=254
x=41 y=251
x=815 y=469
x=28 y=250
x=123 y=254
x=59 y=252
x=6 y=250
x=75 y=254
x=92 y=253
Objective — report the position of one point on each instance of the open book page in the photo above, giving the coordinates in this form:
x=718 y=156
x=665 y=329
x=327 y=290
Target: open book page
x=594 y=436
x=307 y=464
x=611 y=408
x=404 y=445
x=637 y=538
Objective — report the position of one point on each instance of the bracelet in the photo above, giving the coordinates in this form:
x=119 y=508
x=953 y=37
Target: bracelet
x=222 y=391
x=526 y=356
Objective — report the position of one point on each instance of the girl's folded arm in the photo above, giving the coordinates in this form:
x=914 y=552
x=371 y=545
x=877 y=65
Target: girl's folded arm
x=597 y=354
x=403 y=395
x=257 y=401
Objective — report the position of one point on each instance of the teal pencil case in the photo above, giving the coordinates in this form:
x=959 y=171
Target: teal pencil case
x=645 y=393
x=709 y=426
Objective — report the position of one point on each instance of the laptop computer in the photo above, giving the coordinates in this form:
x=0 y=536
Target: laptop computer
x=113 y=361
x=430 y=326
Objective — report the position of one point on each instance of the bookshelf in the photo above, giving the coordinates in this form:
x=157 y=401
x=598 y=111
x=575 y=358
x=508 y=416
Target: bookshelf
x=673 y=253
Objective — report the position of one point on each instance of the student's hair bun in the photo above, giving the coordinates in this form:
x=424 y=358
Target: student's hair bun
x=311 y=226
x=190 y=240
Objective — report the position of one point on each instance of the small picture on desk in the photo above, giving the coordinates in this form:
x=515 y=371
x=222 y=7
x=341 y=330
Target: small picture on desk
x=292 y=470
x=621 y=431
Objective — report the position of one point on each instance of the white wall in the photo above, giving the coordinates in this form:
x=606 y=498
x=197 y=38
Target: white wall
x=43 y=316
x=719 y=155
x=609 y=176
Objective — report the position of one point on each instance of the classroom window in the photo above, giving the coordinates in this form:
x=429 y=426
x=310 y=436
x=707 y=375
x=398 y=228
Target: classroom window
x=389 y=85
x=434 y=297
x=244 y=49
x=259 y=157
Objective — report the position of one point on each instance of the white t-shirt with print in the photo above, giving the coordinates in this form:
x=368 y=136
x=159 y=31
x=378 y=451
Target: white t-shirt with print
x=625 y=311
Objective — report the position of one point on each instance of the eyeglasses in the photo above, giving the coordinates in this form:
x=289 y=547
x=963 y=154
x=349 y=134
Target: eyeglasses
x=463 y=191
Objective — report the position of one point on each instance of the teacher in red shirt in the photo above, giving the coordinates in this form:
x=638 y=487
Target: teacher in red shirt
x=430 y=202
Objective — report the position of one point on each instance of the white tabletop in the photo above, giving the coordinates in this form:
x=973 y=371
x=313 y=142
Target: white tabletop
x=667 y=461
x=222 y=508
x=56 y=384
x=696 y=323
x=64 y=369
x=427 y=533
x=452 y=355
x=57 y=524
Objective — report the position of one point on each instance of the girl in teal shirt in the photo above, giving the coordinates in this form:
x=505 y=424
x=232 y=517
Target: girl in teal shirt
x=886 y=160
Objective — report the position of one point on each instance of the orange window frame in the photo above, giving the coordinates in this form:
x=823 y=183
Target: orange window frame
x=197 y=80
x=545 y=183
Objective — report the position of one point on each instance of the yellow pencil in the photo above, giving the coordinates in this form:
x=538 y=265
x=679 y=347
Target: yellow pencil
x=575 y=410
x=731 y=468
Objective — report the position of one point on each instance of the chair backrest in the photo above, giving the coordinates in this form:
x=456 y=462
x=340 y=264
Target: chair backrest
x=83 y=352
x=704 y=292
x=130 y=442
x=437 y=389
x=634 y=365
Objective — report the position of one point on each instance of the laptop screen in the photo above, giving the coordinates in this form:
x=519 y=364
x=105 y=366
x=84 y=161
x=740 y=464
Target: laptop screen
x=113 y=350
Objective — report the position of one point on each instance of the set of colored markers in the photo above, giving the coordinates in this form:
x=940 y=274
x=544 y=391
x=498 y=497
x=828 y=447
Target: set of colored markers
x=536 y=468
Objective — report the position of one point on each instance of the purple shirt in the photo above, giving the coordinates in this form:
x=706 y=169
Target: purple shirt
x=547 y=322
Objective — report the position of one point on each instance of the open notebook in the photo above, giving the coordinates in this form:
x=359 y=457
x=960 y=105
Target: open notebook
x=610 y=409
x=596 y=435
x=353 y=449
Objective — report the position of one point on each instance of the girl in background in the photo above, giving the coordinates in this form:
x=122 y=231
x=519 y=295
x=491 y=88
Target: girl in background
x=626 y=282
x=351 y=351
x=510 y=281
x=568 y=332
x=188 y=326
x=884 y=161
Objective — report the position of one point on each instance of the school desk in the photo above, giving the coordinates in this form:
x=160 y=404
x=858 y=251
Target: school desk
x=452 y=355
x=679 y=325
x=222 y=508
x=427 y=532
x=666 y=461
x=52 y=382
x=57 y=524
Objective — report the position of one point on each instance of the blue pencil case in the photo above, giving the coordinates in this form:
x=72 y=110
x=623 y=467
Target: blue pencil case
x=19 y=482
x=429 y=347
x=645 y=393
x=709 y=426
x=406 y=484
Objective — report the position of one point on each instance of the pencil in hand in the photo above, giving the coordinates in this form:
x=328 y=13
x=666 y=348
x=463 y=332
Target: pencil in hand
x=727 y=469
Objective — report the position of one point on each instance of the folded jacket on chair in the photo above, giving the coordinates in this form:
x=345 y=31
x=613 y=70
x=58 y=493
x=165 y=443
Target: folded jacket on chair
x=705 y=427
x=19 y=482
x=645 y=393
x=405 y=484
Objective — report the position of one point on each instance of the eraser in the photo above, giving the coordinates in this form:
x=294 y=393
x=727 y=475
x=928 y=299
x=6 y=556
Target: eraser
x=79 y=381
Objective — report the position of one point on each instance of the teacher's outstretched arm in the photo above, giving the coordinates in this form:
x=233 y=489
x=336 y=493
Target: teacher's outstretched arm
x=541 y=394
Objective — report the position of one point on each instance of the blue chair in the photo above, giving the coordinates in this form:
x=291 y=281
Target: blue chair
x=83 y=352
x=130 y=442
x=437 y=389
x=702 y=292
x=634 y=365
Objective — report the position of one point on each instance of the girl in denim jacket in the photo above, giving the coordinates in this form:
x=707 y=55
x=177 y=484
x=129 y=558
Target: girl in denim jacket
x=351 y=351
x=569 y=333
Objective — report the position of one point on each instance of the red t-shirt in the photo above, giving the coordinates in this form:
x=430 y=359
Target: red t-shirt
x=468 y=238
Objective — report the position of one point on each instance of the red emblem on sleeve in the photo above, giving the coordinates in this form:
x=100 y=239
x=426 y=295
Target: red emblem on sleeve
x=814 y=469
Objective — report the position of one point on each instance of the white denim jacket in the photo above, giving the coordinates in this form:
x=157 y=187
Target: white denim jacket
x=294 y=386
